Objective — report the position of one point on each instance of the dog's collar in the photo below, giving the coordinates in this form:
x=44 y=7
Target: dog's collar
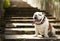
x=42 y=21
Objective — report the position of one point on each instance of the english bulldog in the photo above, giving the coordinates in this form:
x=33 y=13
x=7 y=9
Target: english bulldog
x=42 y=25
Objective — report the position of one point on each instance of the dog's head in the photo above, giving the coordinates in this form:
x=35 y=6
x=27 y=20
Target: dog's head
x=38 y=16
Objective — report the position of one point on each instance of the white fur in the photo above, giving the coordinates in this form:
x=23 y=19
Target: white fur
x=42 y=28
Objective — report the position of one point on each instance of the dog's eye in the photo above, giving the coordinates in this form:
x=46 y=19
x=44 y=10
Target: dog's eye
x=39 y=14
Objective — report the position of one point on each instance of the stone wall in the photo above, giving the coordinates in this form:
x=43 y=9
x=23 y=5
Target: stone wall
x=48 y=5
x=1 y=11
x=1 y=20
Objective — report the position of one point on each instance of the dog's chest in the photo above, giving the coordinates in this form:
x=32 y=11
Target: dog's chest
x=40 y=27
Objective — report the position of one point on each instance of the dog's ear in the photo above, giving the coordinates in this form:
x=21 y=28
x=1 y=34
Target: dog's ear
x=43 y=13
x=33 y=15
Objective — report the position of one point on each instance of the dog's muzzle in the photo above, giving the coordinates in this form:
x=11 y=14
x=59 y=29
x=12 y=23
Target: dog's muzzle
x=36 y=19
x=39 y=21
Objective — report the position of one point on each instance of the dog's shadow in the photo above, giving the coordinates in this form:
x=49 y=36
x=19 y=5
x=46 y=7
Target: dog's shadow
x=49 y=38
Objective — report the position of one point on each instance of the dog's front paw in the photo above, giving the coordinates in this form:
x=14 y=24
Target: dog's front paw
x=35 y=35
x=46 y=36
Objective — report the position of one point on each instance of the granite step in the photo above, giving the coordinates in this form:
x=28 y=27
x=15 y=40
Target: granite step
x=29 y=21
x=23 y=31
x=30 y=38
x=12 y=17
x=26 y=20
x=14 y=11
x=27 y=25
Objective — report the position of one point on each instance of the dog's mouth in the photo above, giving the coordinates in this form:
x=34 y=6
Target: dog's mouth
x=37 y=20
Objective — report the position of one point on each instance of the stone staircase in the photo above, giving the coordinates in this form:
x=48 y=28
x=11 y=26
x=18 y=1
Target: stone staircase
x=19 y=25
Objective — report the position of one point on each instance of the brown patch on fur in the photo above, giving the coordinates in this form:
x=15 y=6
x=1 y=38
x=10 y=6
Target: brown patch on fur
x=50 y=27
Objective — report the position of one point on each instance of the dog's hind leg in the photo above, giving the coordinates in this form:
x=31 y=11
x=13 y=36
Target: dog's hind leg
x=53 y=32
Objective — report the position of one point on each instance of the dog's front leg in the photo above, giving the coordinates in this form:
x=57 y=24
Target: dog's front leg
x=46 y=33
x=36 y=32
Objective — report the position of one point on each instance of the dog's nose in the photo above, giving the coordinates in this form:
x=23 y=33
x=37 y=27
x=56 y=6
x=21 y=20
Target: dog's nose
x=35 y=17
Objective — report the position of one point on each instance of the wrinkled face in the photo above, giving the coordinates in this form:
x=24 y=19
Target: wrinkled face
x=38 y=15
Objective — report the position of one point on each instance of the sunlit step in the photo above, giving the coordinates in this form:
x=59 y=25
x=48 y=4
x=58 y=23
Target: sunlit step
x=27 y=24
x=18 y=24
x=21 y=37
x=23 y=29
x=27 y=20
x=56 y=24
x=21 y=17
x=28 y=37
x=29 y=17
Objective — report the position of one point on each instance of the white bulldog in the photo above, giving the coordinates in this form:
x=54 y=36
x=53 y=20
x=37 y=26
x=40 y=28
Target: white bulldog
x=42 y=25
